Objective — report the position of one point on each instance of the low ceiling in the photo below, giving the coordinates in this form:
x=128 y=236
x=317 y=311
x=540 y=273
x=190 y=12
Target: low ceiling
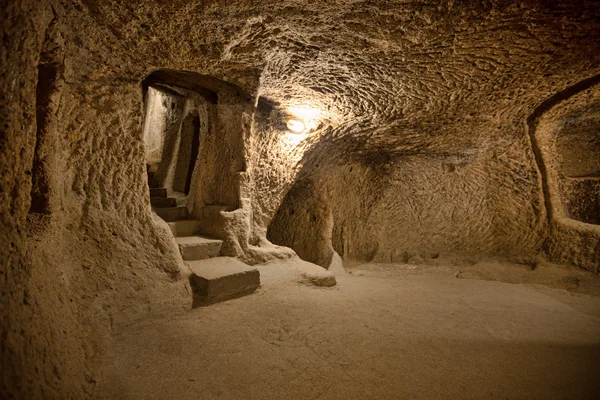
x=395 y=77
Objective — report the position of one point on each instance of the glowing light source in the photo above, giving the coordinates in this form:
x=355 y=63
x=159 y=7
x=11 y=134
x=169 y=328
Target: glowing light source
x=296 y=126
x=306 y=119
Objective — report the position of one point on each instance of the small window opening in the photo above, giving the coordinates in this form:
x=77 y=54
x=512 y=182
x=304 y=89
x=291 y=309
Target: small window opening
x=50 y=70
x=578 y=148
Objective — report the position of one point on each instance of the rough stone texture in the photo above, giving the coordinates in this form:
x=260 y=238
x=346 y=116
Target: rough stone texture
x=569 y=141
x=162 y=118
x=68 y=265
x=185 y=227
x=197 y=247
x=319 y=278
x=221 y=278
x=171 y=214
x=304 y=212
x=418 y=206
x=422 y=148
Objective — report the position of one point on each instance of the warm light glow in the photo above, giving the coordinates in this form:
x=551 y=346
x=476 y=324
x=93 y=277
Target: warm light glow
x=305 y=112
x=296 y=126
x=306 y=119
x=294 y=139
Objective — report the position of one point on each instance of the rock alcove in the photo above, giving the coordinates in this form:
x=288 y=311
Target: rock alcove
x=391 y=147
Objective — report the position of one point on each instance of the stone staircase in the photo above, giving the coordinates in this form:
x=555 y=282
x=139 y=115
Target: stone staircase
x=214 y=278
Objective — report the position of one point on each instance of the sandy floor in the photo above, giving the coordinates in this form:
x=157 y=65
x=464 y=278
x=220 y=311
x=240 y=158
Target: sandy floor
x=379 y=334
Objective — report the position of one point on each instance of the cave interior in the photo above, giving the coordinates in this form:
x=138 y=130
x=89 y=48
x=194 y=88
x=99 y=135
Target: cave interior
x=347 y=199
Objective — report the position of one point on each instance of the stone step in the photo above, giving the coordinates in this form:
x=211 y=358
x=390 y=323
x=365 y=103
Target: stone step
x=161 y=202
x=221 y=278
x=172 y=213
x=198 y=247
x=158 y=192
x=184 y=227
x=152 y=182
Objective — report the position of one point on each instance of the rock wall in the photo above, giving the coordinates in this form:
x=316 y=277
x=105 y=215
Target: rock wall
x=565 y=131
x=92 y=246
x=486 y=204
x=422 y=148
x=167 y=121
x=304 y=223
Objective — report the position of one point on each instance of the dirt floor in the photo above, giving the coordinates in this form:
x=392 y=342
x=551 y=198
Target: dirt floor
x=384 y=332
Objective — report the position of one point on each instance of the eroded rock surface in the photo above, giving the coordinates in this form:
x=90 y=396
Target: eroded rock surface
x=421 y=148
